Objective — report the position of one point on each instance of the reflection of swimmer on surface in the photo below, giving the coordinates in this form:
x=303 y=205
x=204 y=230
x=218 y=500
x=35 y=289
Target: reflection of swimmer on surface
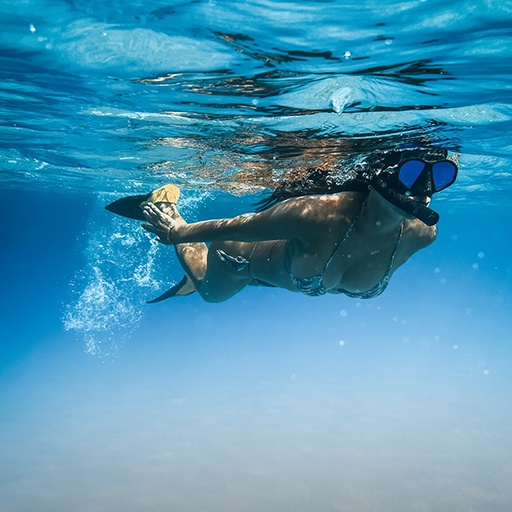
x=317 y=237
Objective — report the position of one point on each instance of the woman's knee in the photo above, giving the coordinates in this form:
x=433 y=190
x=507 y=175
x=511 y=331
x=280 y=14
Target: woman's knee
x=213 y=298
x=209 y=294
x=220 y=288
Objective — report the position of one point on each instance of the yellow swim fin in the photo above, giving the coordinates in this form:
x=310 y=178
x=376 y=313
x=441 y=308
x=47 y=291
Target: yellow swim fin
x=131 y=206
x=165 y=194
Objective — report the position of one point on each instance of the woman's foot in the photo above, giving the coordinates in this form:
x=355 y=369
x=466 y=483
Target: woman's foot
x=171 y=210
x=160 y=210
x=164 y=220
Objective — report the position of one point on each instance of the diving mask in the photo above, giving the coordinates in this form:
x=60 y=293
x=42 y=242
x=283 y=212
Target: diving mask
x=414 y=179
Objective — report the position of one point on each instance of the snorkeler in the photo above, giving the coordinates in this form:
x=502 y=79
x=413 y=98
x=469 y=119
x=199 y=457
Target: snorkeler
x=346 y=238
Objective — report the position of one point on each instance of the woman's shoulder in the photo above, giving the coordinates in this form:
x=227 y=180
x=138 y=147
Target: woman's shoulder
x=326 y=215
x=344 y=200
x=349 y=204
x=340 y=201
x=343 y=211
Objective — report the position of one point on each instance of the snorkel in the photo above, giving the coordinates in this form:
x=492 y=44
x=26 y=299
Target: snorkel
x=415 y=173
x=383 y=185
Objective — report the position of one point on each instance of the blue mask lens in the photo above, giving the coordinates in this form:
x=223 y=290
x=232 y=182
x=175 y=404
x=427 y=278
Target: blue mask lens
x=444 y=174
x=410 y=172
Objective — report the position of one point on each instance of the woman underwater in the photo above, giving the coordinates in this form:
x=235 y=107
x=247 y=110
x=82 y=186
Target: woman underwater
x=317 y=236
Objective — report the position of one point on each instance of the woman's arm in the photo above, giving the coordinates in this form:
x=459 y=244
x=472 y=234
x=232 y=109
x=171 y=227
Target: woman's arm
x=299 y=218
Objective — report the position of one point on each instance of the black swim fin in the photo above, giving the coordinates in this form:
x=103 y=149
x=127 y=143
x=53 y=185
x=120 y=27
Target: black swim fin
x=184 y=287
x=129 y=206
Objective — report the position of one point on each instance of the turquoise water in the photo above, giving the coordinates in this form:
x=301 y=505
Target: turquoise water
x=272 y=400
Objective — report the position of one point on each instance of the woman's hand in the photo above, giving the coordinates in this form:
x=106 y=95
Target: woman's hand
x=161 y=224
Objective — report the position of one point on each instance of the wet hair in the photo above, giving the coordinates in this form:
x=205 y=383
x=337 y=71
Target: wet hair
x=358 y=178
x=315 y=181
x=382 y=160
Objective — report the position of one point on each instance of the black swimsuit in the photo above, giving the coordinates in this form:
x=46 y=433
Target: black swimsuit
x=313 y=286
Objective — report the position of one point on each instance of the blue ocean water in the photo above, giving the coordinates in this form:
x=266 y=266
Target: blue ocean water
x=272 y=400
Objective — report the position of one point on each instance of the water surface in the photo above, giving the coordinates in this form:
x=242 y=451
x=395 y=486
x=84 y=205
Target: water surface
x=271 y=401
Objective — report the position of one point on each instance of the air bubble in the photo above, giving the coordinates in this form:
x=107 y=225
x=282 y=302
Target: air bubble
x=343 y=313
x=117 y=278
x=342 y=343
x=32 y=28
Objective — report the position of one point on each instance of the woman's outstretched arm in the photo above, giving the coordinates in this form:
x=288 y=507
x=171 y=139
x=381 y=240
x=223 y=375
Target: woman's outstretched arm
x=299 y=218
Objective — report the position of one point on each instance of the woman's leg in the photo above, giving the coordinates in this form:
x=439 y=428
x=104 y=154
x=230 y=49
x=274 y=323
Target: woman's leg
x=221 y=280
x=192 y=256
x=214 y=280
